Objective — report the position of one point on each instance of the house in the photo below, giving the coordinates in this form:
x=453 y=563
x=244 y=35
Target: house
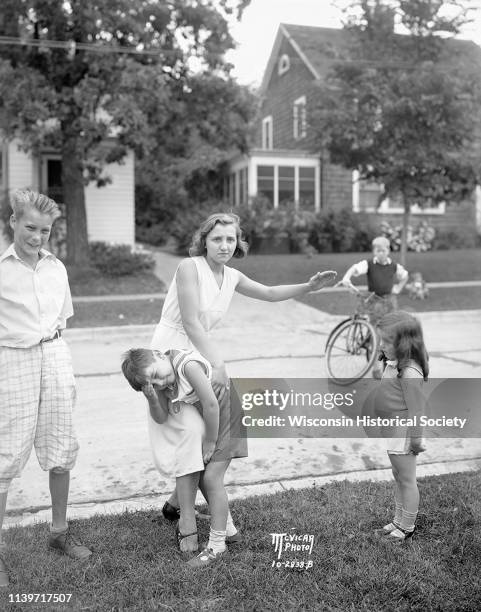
x=282 y=165
x=110 y=209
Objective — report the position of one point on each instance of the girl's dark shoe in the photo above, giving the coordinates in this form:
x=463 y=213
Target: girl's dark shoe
x=4 y=582
x=170 y=512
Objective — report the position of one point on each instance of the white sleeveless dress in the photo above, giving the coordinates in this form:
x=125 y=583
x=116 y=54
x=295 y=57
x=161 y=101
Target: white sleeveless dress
x=177 y=443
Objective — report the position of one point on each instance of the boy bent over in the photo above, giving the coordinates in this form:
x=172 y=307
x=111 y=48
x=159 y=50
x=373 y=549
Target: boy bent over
x=37 y=387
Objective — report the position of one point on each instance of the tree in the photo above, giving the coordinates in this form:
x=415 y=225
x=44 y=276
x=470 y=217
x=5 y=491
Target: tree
x=88 y=71
x=209 y=119
x=405 y=113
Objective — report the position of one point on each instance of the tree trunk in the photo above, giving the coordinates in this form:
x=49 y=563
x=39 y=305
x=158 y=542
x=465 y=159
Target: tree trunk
x=74 y=197
x=404 y=237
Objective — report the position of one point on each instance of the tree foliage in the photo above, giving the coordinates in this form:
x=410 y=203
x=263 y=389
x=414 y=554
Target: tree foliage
x=405 y=113
x=109 y=87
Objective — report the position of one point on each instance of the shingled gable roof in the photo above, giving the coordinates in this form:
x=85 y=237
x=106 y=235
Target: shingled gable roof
x=319 y=47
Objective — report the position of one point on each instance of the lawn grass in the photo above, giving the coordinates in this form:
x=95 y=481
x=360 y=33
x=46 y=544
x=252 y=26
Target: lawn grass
x=128 y=312
x=89 y=281
x=135 y=565
x=449 y=298
x=435 y=266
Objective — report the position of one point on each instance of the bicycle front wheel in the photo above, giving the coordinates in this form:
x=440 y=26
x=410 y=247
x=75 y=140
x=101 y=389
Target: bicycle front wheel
x=351 y=351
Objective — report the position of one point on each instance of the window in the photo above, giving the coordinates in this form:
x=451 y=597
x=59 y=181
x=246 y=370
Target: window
x=52 y=177
x=267 y=133
x=243 y=186
x=265 y=182
x=367 y=197
x=299 y=116
x=307 y=188
x=369 y=194
x=286 y=185
x=283 y=65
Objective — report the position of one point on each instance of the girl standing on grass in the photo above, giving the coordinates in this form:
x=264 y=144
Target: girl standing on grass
x=405 y=369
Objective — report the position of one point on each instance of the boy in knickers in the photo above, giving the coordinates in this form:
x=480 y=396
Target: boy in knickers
x=37 y=386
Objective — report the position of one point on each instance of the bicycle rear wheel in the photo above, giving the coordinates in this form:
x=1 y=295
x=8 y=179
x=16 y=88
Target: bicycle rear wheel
x=351 y=351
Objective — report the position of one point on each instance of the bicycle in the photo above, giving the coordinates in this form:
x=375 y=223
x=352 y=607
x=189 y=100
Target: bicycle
x=352 y=346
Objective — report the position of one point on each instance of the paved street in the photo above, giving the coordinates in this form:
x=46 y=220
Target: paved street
x=259 y=340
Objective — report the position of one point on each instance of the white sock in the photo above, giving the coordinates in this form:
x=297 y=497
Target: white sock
x=408 y=520
x=398 y=514
x=216 y=541
x=58 y=529
x=231 y=529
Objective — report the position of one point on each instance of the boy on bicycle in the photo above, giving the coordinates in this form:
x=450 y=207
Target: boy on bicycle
x=385 y=278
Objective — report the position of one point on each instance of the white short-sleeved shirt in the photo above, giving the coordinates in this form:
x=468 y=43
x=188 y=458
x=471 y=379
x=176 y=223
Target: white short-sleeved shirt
x=361 y=268
x=34 y=304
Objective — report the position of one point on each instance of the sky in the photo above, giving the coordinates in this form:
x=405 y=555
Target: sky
x=257 y=30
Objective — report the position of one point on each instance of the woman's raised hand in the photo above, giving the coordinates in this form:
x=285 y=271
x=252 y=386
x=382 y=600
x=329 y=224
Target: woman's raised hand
x=321 y=279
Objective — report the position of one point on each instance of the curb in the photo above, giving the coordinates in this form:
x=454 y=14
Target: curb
x=155 y=502
x=158 y=296
x=75 y=334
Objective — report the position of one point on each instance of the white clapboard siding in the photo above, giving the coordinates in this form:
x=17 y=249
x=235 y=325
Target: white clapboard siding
x=22 y=170
x=111 y=209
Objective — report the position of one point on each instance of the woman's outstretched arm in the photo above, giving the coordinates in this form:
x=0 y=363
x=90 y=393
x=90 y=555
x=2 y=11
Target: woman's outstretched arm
x=250 y=288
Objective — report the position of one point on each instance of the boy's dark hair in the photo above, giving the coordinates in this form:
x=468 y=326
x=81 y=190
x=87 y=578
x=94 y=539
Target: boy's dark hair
x=134 y=363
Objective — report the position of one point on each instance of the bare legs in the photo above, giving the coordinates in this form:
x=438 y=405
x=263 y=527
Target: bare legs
x=59 y=483
x=212 y=487
x=186 y=488
x=404 y=472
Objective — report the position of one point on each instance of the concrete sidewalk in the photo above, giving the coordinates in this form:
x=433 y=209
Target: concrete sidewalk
x=260 y=340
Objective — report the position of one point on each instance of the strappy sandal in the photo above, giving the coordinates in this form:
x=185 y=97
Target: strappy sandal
x=386 y=530
x=180 y=537
x=400 y=536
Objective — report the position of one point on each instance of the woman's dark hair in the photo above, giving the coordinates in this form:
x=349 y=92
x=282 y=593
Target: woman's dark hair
x=198 y=241
x=407 y=340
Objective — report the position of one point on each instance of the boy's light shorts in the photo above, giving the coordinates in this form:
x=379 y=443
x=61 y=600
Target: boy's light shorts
x=37 y=396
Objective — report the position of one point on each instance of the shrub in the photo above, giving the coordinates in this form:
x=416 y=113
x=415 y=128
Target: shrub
x=419 y=239
x=120 y=259
x=342 y=231
x=459 y=238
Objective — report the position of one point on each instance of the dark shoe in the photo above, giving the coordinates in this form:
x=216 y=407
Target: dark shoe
x=181 y=536
x=206 y=557
x=170 y=512
x=68 y=545
x=234 y=539
x=4 y=582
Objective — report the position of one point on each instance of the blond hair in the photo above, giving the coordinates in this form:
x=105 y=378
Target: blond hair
x=381 y=241
x=22 y=198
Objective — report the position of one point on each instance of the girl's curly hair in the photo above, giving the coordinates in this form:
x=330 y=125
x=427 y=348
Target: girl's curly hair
x=197 y=246
x=407 y=339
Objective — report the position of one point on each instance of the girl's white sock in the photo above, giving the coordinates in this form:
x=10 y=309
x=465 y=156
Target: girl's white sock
x=216 y=541
x=398 y=514
x=408 y=520
x=231 y=529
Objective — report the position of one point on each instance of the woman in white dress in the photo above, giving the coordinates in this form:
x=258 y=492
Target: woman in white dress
x=198 y=297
